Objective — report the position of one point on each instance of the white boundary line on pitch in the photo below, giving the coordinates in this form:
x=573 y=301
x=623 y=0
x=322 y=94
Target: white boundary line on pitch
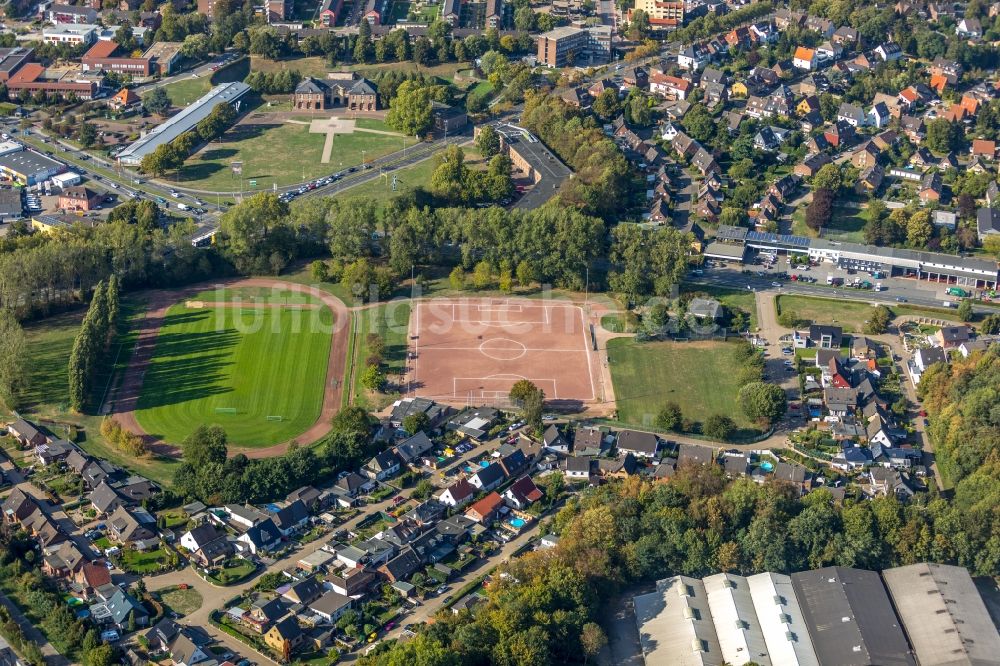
x=527 y=349
x=511 y=378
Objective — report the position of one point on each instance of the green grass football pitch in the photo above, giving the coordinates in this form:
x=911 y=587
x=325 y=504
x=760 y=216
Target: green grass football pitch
x=235 y=368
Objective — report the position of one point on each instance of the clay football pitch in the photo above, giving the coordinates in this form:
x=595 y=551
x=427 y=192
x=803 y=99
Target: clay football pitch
x=472 y=351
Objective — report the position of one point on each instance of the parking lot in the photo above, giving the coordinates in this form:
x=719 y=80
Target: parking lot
x=824 y=279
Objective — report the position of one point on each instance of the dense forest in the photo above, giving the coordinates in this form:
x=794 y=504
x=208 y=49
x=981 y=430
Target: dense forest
x=542 y=608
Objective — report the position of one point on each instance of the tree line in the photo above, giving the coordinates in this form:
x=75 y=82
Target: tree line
x=42 y=273
x=208 y=473
x=91 y=344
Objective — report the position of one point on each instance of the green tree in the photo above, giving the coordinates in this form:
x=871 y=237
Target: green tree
x=410 y=111
x=416 y=422
x=990 y=325
x=592 y=640
x=372 y=378
x=919 y=229
x=944 y=136
x=156 y=101
x=670 y=417
x=719 y=427
x=87 y=135
x=606 y=106
x=13 y=351
x=878 y=320
x=163 y=158
x=319 y=270
x=456 y=279
x=352 y=420
x=482 y=276
x=206 y=445
x=525 y=273
x=828 y=177
x=965 y=312
x=763 y=402
x=521 y=389
x=488 y=141
x=423 y=489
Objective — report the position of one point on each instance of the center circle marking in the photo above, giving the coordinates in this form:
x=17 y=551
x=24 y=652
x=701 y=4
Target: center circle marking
x=502 y=349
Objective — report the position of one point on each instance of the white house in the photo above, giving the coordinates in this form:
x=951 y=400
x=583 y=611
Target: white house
x=261 y=537
x=459 y=493
x=804 y=58
x=488 y=478
x=889 y=51
x=879 y=115
x=668 y=132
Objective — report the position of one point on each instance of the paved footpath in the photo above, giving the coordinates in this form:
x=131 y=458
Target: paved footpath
x=52 y=656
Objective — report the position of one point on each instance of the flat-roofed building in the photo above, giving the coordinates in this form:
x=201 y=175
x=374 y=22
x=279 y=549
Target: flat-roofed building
x=12 y=59
x=943 y=615
x=675 y=624
x=28 y=167
x=737 y=626
x=781 y=621
x=850 y=618
x=70 y=33
x=559 y=47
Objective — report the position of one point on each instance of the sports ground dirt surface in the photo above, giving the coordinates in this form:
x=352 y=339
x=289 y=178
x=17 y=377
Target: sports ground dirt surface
x=473 y=350
x=123 y=401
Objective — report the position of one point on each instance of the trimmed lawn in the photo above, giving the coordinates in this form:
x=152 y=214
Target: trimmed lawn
x=182 y=602
x=186 y=91
x=624 y=322
x=410 y=178
x=850 y=315
x=391 y=321
x=847 y=225
x=698 y=376
x=251 y=364
x=233 y=572
x=254 y=295
x=298 y=159
x=146 y=562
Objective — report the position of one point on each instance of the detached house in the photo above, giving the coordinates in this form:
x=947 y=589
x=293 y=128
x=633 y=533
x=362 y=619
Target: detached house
x=485 y=510
x=459 y=493
x=640 y=444
x=804 y=58
x=383 y=466
x=488 y=477
x=523 y=493
x=852 y=115
x=125 y=527
x=26 y=434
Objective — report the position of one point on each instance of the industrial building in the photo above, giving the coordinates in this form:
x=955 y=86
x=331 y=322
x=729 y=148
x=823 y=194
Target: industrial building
x=943 y=615
x=835 y=616
x=734 y=243
x=185 y=121
x=850 y=618
x=28 y=167
x=676 y=626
